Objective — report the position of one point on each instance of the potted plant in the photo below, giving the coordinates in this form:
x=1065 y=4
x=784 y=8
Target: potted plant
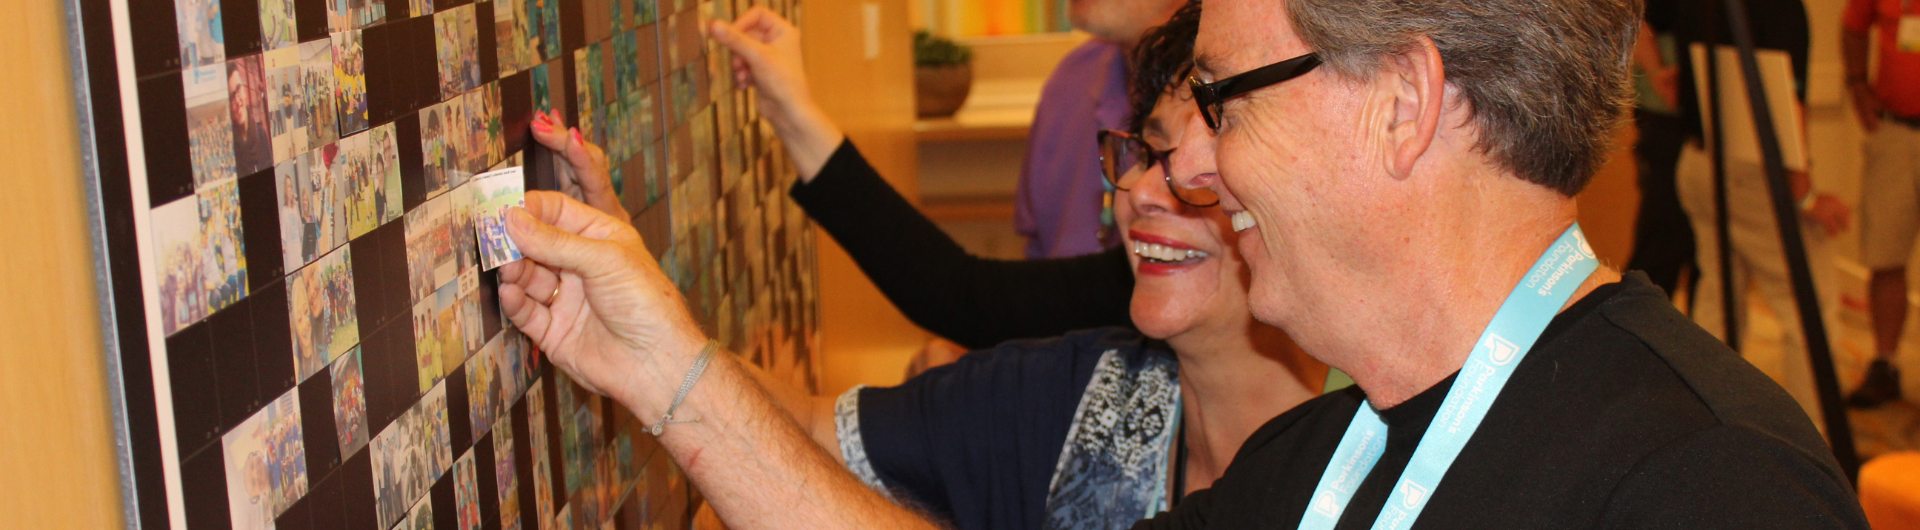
x=942 y=75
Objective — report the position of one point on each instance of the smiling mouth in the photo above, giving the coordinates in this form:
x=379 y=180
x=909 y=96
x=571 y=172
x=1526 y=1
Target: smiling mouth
x=1155 y=253
x=1242 y=221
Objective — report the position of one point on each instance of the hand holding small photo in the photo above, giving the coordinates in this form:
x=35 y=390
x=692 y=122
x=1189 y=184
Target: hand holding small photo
x=495 y=192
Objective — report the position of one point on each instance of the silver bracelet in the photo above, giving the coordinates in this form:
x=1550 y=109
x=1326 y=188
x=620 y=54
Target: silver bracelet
x=693 y=374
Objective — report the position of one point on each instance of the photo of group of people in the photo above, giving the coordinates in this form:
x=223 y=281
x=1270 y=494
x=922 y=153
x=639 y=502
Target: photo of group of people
x=316 y=82
x=276 y=24
x=349 y=402
x=495 y=193
x=368 y=165
x=321 y=310
x=506 y=479
x=542 y=463
x=457 y=45
x=466 y=492
x=209 y=125
x=201 y=255
x=312 y=208
x=438 y=334
x=496 y=376
x=410 y=455
x=513 y=35
x=344 y=15
x=460 y=137
x=266 y=464
x=589 y=91
x=350 y=79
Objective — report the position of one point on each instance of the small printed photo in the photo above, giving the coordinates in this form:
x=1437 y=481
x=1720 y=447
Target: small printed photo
x=457 y=46
x=496 y=128
x=438 y=156
x=202 y=35
x=645 y=12
x=343 y=15
x=433 y=432
x=321 y=312
x=349 y=403
x=385 y=147
x=439 y=341
x=626 y=73
x=483 y=389
x=429 y=248
x=472 y=333
x=453 y=131
x=497 y=193
x=506 y=479
x=209 y=124
x=201 y=255
x=276 y=24
x=397 y=464
x=247 y=106
x=419 y=8
x=542 y=461
x=542 y=90
x=286 y=102
x=350 y=80
x=549 y=42
x=351 y=165
x=460 y=225
x=312 y=205
x=316 y=80
x=421 y=517
x=466 y=492
x=266 y=464
x=477 y=146
x=512 y=35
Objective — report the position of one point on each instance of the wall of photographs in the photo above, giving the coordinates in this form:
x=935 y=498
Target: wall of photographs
x=302 y=336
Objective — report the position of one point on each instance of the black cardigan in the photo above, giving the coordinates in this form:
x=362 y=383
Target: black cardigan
x=970 y=300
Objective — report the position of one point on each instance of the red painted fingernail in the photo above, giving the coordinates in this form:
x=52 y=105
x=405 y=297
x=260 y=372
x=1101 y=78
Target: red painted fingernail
x=542 y=126
x=577 y=139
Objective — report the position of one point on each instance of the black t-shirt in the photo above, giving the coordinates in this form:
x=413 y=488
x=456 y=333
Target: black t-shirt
x=1624 y=415
x=970 y=300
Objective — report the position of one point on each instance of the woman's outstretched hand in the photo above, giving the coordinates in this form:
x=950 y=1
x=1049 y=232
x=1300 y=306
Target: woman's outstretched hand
x=767 y=56
x=587 y=162
x=591 y=296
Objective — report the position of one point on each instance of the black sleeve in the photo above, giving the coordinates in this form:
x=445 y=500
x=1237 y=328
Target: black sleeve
x=1733 y=477
x=1190 y=514
x=970 y=300
x=976 y=441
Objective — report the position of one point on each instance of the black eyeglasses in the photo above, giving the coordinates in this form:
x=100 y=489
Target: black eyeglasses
x=1211 y=96
x=1125 y=157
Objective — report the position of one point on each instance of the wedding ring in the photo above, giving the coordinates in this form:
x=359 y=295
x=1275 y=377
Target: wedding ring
x=554 y=296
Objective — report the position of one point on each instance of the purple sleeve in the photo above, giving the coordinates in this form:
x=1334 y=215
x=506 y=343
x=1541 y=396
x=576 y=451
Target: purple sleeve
x=1060 y=195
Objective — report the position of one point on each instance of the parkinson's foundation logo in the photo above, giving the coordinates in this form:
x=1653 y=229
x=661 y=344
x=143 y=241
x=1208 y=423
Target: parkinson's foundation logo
x=1412 y=494
x=1499 y=350
x=1326 y=505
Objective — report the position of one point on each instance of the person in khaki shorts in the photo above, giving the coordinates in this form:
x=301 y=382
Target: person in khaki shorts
x=1889 y=110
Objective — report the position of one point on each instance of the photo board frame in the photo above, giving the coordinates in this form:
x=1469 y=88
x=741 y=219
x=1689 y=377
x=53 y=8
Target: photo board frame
x=299 y=332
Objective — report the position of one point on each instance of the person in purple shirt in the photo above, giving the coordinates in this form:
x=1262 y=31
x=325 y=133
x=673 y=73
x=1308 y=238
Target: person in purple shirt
x=1059 y=205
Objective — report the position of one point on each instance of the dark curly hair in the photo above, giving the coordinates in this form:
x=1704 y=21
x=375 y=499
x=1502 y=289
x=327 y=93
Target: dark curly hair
x=1163 y=57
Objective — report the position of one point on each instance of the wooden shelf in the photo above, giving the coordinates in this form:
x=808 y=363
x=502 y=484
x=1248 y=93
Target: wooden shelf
x=997 y=109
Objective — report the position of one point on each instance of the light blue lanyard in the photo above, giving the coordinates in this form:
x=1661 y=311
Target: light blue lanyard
x=1519 y=322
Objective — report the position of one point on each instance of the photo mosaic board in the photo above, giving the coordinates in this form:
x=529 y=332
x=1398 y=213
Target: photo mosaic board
x=304 y=329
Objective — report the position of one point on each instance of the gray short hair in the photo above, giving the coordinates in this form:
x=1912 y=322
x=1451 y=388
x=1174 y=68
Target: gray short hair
x=1547 y=80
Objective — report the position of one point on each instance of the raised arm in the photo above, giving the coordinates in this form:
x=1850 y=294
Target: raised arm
x=591 y=296
x=975 y=302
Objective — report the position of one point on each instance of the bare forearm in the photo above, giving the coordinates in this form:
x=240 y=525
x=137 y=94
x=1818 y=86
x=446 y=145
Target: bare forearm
x=757 y=467
x=810 y=138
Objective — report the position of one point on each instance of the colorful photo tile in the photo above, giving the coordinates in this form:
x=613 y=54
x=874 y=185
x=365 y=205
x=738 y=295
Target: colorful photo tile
x=321 y=312
x=384 y=175
x=438 y=156
x=483 y=389
x=286 y=102
x=202 y=37
x=513 y=36
x=645 y=12
x=626 y=71
x=419 y=8
x=201 y=255
x=506 y=479
x=266 y=464
x=247 y=106
x=497 y=193
x=421 y=517
x=312 y=204
x=542 y=89
x=438 y=335
x=429 y=248
x=349 y=403
x=453 y=131
x=496 y=144
x=352 y=167
x=461 y=206
x=434 y=433
x=209 y=124
x=549 y=43
x=457 y=46
x=477 y=144
x=466 y=492
x=542 y=463
x=343 y=15
x=277 y=29
x=350 y=80
x=316 y=80
x=408 y=456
